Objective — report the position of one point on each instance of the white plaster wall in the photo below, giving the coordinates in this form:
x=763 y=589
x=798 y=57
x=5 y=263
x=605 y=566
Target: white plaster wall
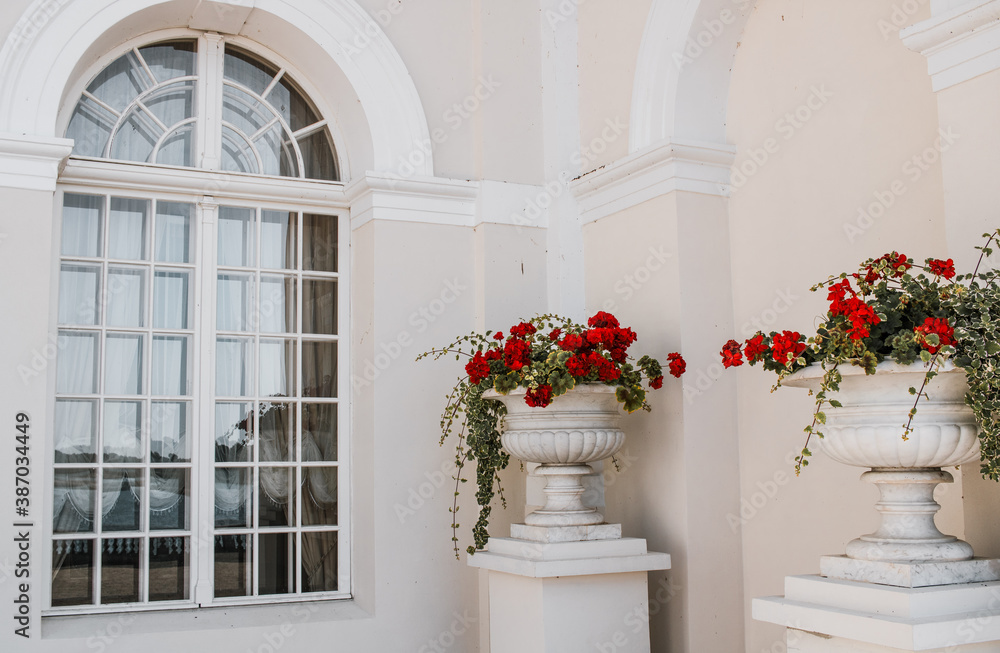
x=787 y=226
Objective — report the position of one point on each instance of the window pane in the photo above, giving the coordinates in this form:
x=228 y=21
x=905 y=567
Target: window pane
x=169 y=568
x=233 y=426
x=171 y=299
x=276 y=563
x=232 y=565
x=292 y=105
x=126 y=304
x=277 y=304
x=318 y=156
x=136 y=137
x=277 y=496
x=319 y=306
x=170 y=366
x=168 y=499
x=233 y=302
x=168 y=429
x=123 y=364
x=172 y=103
x=236 y=237
x=277 y=240
x=244 y=112
x=72 y=572
x=277 y=368
x=122 y=500
x=319 y=242
x=319 y=432
x=120 y=570
x=277 y=432
x=319 y=369
x=319 y=496
x=127 y=229
x=170 y=60
x=177 y=149
x=233 y=367
x=77 y=363
x=319 y=562
x=174 y=232
x=81 y=225
x=233 y=492
x=90 y=128
x=277 y=152
x=73 y=500
x=247 y=71
x=237 y=155
x=120 y=83
x=79 y=288
x=75 y=431
x=123 y=431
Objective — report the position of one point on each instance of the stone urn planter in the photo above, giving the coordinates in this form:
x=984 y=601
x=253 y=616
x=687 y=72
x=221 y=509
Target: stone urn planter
x=867 y=432
x=580 y=427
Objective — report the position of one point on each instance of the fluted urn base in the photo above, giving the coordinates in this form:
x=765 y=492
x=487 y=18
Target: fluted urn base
x=578 y=428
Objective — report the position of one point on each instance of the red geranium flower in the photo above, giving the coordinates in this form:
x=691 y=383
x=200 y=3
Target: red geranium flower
x=656 y=383
x=571 y=342
x=787 y=346
x=677 y=366
x=755 y=349
x=731 y=354
x=554 y=334
x=493 y=354
x=539 y=397
x=515 y=353
x=478 y=368
x=523 y=329
x=498 y=335
x=603 y=320
x=941 y=268
x=940 y=326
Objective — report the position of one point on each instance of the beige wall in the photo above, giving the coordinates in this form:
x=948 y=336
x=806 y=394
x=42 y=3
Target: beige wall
x=789 y=225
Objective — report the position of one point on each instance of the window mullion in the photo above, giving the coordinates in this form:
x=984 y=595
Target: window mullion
x=204 y=490
x=210 y=69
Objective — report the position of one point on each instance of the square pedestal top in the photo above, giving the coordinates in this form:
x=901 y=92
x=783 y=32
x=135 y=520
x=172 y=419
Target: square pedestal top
x=581 y=558
x=910 y=574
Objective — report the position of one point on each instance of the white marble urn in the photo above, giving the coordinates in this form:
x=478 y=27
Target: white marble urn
x=577 y=428
x=868 y=432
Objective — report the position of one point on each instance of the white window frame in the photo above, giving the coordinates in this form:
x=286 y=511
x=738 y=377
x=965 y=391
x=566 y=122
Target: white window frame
x=208 y=189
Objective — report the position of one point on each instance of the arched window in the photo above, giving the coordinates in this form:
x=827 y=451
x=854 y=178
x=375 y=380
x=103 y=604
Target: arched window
x=201 y=356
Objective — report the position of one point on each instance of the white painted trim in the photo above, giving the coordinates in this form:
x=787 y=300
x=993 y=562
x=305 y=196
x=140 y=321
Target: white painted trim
x=168 y=180
x=31 y=163
x=520 y=205
x=53 y=35
x=657 y=170
x=959 y=44
x=431 y=200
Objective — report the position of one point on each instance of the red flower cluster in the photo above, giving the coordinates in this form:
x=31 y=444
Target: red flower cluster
x=786 y=346
x=478 y=368
x=755 y=349
x=898 y=262
x=677 y=366
x=571 y=342
x=582 y=363
x=941 y=268
x=731 y=354
x=603 y=320
x=936 y=325
x=554 y=334
x=515 y=353
x=523 y=329
x=539 y=397
x=861 y=315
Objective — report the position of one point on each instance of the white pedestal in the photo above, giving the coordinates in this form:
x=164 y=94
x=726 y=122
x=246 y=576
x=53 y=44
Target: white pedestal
x=569 y=597
x=826 y=615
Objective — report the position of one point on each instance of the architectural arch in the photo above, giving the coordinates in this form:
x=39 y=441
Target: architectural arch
x=682 y=74
x=53 y=38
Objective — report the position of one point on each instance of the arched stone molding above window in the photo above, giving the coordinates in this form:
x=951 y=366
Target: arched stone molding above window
x=334 y=43
x=682 y=74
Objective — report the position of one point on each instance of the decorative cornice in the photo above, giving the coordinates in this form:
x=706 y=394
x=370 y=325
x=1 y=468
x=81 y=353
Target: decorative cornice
x=32 y=162
x=959 y=44
x=165 y=180
x=432 y=200
x=659 y=169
